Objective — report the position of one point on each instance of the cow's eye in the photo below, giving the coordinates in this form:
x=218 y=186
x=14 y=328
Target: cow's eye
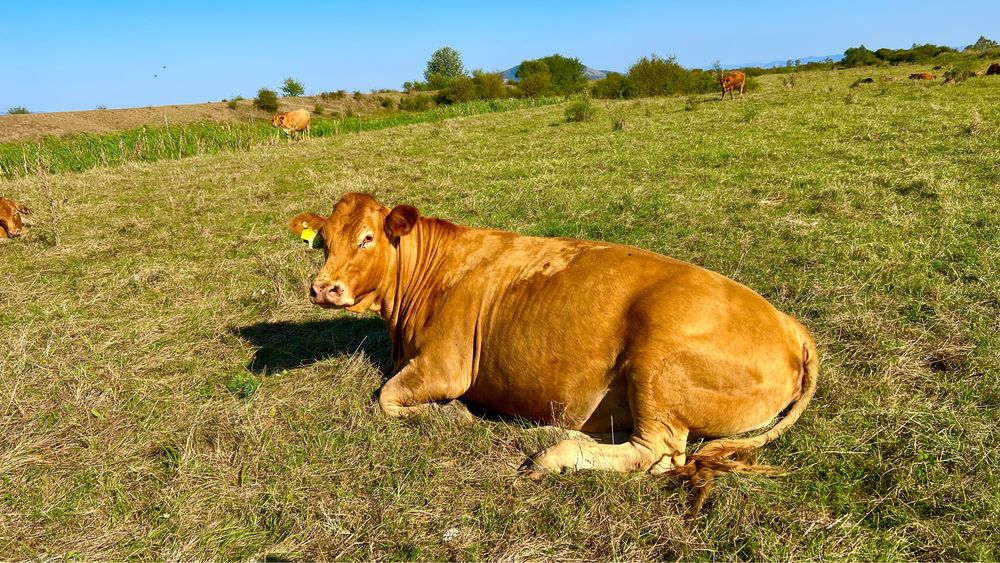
x=369 y=238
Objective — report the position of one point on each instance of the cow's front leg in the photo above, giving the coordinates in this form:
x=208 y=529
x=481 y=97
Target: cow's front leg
x=416 y=389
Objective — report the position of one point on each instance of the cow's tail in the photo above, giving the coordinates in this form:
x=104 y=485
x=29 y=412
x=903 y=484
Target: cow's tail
x=714 y=458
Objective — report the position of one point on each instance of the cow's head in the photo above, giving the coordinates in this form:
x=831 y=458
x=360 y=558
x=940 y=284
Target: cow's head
x=278 y=120
x=359 y=240
x=10 y=217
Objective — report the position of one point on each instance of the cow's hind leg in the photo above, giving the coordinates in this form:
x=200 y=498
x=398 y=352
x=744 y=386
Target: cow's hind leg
x=656 y=445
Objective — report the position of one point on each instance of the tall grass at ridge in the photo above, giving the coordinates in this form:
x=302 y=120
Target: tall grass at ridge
x=84 y=151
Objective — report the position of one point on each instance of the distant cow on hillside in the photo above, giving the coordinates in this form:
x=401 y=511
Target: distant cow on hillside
x=922 y=76
x=10 y=218
x=292 y=122
x=732 y=81
x=993 y=70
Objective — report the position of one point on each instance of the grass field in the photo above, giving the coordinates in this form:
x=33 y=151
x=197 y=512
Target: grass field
x=167 y=392
x=79 y=152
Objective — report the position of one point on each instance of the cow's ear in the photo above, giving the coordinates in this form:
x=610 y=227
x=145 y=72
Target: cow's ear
x=308 y=227
x=401 y=220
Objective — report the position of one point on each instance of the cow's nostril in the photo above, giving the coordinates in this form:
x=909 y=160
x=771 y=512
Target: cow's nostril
x=338 y=289
x=312 y=291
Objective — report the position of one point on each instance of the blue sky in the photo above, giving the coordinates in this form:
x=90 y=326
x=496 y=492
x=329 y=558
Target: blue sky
x=76 y=55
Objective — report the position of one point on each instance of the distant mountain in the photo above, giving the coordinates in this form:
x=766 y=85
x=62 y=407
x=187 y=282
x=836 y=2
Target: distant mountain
x=803 y=60
x=591 y=73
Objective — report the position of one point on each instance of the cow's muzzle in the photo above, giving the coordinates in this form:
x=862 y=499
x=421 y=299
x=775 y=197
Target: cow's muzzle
x=327 y=294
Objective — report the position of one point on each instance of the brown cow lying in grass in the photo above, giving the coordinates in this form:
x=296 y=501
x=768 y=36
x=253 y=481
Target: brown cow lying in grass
x=292 y=122
x=593 y=336
x=994 y=69
x=732 y=81
x=922 y=76
x=10 y=218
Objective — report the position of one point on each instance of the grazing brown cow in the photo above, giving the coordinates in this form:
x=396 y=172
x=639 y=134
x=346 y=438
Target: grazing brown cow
x=993 y=70
x=978 y=73
x=922 y=76
x=732 y=81
x=594 y=336
x=292 y=122
x=10 y=218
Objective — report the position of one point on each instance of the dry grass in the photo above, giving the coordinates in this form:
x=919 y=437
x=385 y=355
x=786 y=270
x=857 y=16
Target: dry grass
x=128 y=428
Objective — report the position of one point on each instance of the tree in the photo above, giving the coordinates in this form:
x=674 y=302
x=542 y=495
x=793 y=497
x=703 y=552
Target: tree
x=446 y=63
x=534 y=78
x=293 y=88
x=982 y=45
x=567 y=73
x=858 y=56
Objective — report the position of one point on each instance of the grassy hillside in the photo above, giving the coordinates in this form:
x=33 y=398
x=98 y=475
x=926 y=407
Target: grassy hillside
x=168 y=392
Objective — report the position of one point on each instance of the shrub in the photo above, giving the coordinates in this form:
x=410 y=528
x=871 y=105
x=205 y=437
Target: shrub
x=233 y=104
x=580 y=109
x=444 y=63
x=691 y=103
x=489 y=85
x=292 y=87
x=17 y=110
x=438 y=82
x=420 y=102
x=386 y=102
x=358 y=95
x=861 y=56
x=657 y=76
x=338 y=95
x=961 y=69
x=750 y=114
x=266 y=100
x=415 y=86
x=461 y=89
x=615 y=86
x=101 y=107
x=318 y=109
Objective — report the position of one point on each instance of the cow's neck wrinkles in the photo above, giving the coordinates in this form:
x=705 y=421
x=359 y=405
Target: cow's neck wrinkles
x=417 y=263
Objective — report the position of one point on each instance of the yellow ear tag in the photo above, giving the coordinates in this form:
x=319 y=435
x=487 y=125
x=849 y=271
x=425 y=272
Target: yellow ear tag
x=310 y=237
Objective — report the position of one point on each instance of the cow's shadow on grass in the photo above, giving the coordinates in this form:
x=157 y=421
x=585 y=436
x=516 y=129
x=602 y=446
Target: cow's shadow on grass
x=286 y=345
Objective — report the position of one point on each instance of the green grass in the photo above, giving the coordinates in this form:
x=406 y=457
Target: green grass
x=76 y=153
x=169 y=393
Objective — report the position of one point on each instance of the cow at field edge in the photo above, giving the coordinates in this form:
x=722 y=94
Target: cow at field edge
x=10 y=218
x=993 y=69
x=922 y=76
x=731 y=81
x=292 y=122
x=591 y=336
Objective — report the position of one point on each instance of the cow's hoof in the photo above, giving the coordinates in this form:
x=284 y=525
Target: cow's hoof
x=531 y=470
x=667 y=464
x=459 y=412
